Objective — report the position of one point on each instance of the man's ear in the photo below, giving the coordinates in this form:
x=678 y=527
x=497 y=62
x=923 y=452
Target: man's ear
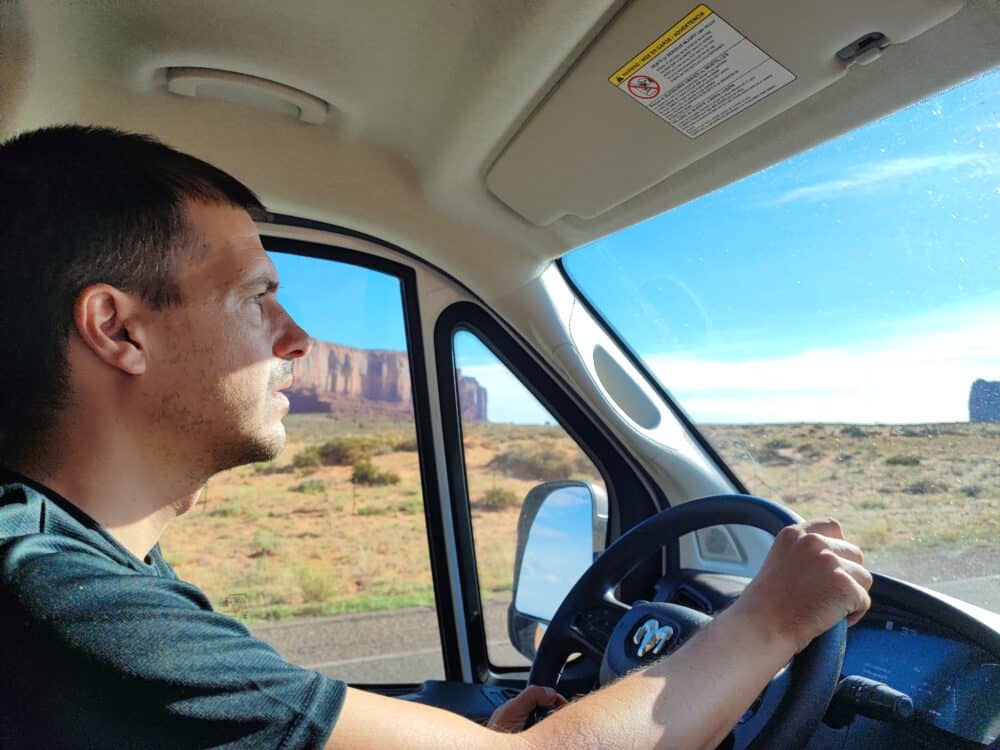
x=106 y=319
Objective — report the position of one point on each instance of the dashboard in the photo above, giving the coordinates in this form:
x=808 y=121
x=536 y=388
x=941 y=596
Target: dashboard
x=954 y=684
x=944 y=659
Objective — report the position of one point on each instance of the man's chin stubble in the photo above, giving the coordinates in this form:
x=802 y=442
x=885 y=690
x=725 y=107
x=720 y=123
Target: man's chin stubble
x=251 y=450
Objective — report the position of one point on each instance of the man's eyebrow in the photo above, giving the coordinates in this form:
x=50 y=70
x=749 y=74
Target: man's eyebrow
x=265 y=279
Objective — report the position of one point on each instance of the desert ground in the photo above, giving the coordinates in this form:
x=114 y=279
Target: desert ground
x=336 y=523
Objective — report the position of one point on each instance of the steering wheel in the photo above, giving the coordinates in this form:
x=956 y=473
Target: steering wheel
x=590 y=621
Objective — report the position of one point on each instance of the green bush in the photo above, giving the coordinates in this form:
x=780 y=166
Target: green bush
x=312 y=486
x=926 y=487
x=852 y=430
x=366 y=473
x=405 y=445
x=771 y=457
x=265 y=543
x=778 y=444
x=498 y=498
x=872 y=503
x=348 y=450
x=540 y=461
x=307 y=459
x=266 y=468
x=226 y=510
x=410 y=507
x=315 y=583
x=903 y=461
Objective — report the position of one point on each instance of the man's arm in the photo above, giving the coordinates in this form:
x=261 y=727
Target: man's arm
x=810 y=580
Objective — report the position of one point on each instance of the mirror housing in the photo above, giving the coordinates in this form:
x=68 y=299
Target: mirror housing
x=575 y=513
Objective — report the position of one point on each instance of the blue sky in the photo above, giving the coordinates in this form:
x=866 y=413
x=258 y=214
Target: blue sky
x=342 y=303
x=859 y=281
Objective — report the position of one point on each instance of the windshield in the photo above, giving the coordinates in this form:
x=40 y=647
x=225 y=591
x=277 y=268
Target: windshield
x=832 y=326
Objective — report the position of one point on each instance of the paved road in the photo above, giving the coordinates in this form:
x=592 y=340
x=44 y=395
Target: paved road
x=397 y=646
x=404 y=645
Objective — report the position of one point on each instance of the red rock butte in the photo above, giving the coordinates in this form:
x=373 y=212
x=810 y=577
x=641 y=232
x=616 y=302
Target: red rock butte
x=371 y=382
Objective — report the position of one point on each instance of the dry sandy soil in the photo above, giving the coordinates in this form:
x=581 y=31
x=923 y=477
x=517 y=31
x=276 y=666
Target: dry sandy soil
x=273 y=540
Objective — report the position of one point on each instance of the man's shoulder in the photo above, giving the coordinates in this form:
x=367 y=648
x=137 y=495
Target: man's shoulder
x=22 y=511
x=50 y=554
x=33 y=526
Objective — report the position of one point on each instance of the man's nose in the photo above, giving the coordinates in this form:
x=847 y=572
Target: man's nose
x=294 y=342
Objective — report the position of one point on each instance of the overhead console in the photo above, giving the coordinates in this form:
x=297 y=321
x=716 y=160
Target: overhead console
x=669 y=82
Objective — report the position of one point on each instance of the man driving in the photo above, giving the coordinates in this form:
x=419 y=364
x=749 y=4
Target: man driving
x=145 y=351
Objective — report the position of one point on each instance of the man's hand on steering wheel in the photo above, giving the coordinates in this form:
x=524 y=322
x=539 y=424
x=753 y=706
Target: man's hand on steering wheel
x=812 y=578
x=513 y=715
x=810 y=586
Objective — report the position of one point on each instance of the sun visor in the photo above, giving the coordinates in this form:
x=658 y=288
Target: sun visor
x=669 y=82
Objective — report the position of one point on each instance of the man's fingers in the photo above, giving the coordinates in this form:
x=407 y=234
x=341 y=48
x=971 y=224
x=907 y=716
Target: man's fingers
x=827 y=527
x=860 y=582
x=536 y=695
x=833 y=538
x=846 y=550
x=859 y=573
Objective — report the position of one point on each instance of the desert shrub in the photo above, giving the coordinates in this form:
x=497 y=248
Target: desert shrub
x=903 y=460
x=407 y=444
x=809 y=452
x=264 y=543
x=874 y=535
x=411 y=507
x=498 y=498
x=315 y=583
x=349 y=449
x=972 y=490
x=852 y=430
x=366 y=473
x=872 y=503
x=313 y=486
x=266 y=468
x=926 y=487
x=374 y=510
x=914 y=431
x=307 y=459
x=778 y=443
x=773 y=458
x=226 y=510
x=540 y=461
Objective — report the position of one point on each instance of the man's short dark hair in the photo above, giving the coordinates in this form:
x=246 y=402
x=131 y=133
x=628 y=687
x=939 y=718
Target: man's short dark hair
x=85 y=205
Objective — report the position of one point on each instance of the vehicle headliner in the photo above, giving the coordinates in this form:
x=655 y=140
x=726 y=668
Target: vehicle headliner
x=424 y=98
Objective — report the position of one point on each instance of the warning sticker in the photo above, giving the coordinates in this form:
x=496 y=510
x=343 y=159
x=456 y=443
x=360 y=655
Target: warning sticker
x=699 y=73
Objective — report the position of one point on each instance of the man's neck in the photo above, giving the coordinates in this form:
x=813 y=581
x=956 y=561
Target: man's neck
x=132 y=501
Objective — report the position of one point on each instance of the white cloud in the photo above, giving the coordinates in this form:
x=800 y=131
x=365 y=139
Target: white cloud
x=867 y=177
x=921 y=371
x=896 y=379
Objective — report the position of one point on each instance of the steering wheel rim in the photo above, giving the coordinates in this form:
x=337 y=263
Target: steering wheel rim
x=814 y=672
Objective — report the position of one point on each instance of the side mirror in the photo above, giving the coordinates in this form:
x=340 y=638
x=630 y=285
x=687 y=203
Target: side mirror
x=562 y=529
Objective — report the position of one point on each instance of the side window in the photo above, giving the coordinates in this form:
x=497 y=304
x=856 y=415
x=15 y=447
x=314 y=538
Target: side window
x=323 y=551
x=511 y=445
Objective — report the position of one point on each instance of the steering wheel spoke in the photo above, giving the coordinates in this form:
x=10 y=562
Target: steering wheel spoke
x=592 y=627
x=587 y=647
